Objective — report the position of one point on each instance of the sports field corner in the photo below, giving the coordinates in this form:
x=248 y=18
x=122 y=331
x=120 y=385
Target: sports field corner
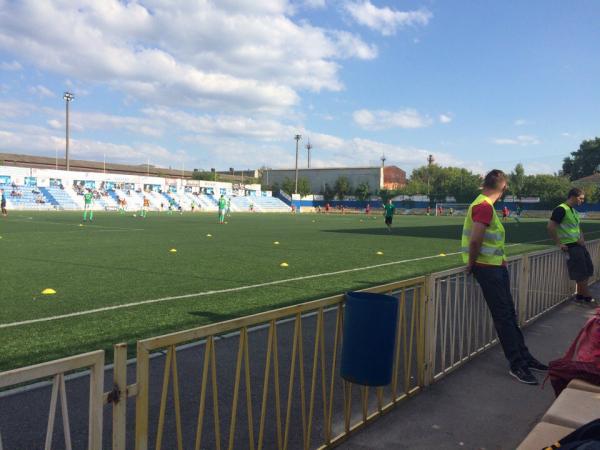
x=117 y=279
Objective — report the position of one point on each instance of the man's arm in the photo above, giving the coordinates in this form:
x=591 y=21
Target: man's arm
x=553 y=233
x=477 y=233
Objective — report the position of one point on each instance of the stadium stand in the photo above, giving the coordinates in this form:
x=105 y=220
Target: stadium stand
x=23 y=197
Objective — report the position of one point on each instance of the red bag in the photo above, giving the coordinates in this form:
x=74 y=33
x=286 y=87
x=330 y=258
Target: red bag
x=582 y=360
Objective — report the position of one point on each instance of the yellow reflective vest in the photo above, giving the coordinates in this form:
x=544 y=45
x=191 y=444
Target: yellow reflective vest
x=569 y=230
x=492 y=247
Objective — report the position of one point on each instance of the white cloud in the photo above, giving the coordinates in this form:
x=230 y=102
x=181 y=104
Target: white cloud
x=445 y=118
x=181 y=52
x=315 y=4
x=10 y=66
x=381 y=119
x=523 y=140
x=385 y=20
x=41 y=91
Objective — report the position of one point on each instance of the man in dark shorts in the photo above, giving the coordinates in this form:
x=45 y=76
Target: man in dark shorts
x=389 y=209
x=3 y=203
x=565 y=231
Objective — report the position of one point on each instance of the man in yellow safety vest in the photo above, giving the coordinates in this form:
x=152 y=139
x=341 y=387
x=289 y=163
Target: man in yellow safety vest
x=483 y=252
x=565 y=231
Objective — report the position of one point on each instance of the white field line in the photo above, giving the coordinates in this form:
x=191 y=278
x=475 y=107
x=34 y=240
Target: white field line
x=235 y=289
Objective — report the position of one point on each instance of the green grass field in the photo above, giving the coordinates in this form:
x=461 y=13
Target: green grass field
x=119 y=260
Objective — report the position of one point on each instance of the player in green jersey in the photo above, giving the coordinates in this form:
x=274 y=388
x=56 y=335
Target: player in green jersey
x=222 y=208
x=389 y=210
x=88 y=203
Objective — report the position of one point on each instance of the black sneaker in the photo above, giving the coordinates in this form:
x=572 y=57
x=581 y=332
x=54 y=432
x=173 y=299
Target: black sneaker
x=523 y=375
x=537 y=366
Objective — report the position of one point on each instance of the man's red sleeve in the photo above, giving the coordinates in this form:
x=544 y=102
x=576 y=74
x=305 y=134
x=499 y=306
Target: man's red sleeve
x=482 y=213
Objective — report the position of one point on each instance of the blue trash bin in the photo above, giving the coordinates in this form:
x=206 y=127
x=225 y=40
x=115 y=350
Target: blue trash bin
x=370 y=322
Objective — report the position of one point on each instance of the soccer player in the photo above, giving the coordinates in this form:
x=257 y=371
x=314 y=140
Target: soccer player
x=222 y=207
x=389 y=210
x=505 y=213
x=229 y=207
x=171 y=206
x=145 y=207
x=3 y=203
x=565 y=231
x=88 y=203
x=518 y=213
x=368 y=209
x=483 y=252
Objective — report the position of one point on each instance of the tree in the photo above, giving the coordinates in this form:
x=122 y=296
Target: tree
x=457 y=182
x=387 y=194
x=363 y=191
x=592 y=192
x=583 y=162
x=288 y=186
x=203 y=175
x=342 y=187
x=551 y=189
x=517 y=181
x=303 y=187
x=328 y=193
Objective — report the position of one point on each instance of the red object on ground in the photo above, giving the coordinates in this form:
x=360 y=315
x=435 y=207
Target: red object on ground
x=582 y=360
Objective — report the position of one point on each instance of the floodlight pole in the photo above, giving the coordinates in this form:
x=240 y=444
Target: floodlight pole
x=309 y=147
x=68 y=96
x=297 y=137
x=429 y=163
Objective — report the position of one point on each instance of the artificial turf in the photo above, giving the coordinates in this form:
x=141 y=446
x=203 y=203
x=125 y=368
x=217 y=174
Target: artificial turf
x=119 y=259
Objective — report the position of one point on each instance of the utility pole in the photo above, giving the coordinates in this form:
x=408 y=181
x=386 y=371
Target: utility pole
x=429 y=163
x=297 y=137
x=68 y=96
x=309 y=147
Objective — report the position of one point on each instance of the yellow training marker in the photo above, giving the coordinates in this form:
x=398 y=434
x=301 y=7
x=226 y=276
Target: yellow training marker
x=80 y=224
x=380 y=253
x=173 y=250
x=209 y=235
x=48 y=291
x=276 y=242
x=283 y=264
x=442 y=254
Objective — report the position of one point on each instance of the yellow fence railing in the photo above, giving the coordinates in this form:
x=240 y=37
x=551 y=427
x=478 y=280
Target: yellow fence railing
x=271 y=380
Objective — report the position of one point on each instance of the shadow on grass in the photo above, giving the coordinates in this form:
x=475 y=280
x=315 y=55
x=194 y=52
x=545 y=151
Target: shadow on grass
x=515 y=232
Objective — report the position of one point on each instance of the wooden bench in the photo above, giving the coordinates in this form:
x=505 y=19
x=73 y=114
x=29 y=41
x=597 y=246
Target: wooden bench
x=577 y=405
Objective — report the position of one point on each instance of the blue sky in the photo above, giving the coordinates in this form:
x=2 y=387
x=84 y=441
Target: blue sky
x=227 y=83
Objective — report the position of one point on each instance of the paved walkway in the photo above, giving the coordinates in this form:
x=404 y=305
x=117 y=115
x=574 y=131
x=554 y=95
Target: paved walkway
x=478 y=406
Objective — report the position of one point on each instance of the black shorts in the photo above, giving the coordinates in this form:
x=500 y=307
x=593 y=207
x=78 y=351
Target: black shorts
x=579 y=263
x=388 y=220
x=3 y=205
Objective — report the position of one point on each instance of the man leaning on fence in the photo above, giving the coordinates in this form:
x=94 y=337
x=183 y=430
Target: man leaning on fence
x=483 y=252
x=565 y=231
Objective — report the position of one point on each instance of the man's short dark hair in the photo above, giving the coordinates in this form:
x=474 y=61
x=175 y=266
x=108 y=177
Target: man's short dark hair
x=493 y=179
x=575 y=192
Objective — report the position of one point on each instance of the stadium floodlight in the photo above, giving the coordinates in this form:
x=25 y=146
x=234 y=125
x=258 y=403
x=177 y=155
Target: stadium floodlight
x=68 y=96
x=297 y=137
x=308 y=148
